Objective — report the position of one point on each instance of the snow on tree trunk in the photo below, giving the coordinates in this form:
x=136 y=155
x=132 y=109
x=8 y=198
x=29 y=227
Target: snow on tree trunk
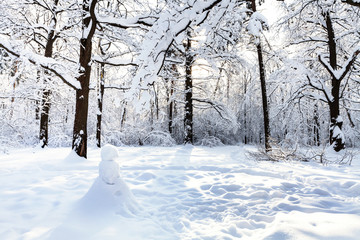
x=79 y=143
x=171 y=107
x=256 y=22
x=188 y=121
x=44 y=117
x=336 y=136
x=45 y=99
x=100 y=104
x=337 y=139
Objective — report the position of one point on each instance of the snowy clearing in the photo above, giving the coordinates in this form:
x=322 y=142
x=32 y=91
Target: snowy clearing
x=181 y=192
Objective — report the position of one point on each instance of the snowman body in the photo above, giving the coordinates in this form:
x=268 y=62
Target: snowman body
x=109 y=170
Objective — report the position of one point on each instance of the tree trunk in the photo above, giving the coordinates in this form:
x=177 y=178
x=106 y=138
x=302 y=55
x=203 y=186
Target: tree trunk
x=336 y=135
x=123 y=116
x=263 y=91
x=100 y=104
x=45 y=99
x=79 y=143
x=316 y=131
x=245 y=127
x=13 y=74
x=154 y=116
x=37 y=102
x=171 y=107
x=264 y=99
x=188 y=121
x=44 y=117
x=170 y=98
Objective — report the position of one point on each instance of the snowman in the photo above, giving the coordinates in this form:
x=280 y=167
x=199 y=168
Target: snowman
x=114 y=192
x=109 y=170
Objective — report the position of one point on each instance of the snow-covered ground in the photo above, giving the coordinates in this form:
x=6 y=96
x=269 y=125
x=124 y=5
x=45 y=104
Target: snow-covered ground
x=181 y=192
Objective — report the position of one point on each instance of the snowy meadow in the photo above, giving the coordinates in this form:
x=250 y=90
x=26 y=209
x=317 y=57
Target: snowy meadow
x=181 y=192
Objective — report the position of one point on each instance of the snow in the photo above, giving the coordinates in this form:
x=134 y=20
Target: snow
x=109 y=153
x=339 y=119
x=180 y=192
x=109 y=170
x=256 y=24
x=338 y=134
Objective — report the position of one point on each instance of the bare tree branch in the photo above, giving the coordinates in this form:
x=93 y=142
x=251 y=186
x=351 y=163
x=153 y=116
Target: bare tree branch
x=219 y=108
x=114 y=62
x=352 y=2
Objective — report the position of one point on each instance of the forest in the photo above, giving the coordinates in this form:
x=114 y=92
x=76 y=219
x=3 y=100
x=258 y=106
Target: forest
x=180 y=119
x=79 y=73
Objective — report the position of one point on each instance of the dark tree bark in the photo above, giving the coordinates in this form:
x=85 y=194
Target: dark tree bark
x=100 y=99
x=171 y=106
x=263 y=90
x=45 y=99
x=335 y=120
x=123 y=116
x=188 y=120
x=336 y=135
x=46 y=92
x=156 y=102
x=79 y=143
x=169 y=96
x=44 y=117
x=245 y=127
x=264 y=99
x=100 y=95
x=316 y=128
x=352 y=2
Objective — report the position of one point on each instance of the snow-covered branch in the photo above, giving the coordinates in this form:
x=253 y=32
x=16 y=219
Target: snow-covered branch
x=341 y=73
x=347 y=65
x=219 y=108
x=113 y=62
x=16 y=49
x=163 y=33
x=135 y=22
x=321 y=88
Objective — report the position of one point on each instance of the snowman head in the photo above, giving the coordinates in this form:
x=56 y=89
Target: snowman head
x=109 y=153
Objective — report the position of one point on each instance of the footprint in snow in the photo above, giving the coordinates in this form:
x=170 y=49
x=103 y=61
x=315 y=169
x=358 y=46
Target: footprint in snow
x=147 y=176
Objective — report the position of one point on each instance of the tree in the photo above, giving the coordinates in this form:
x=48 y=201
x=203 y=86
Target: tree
x=256 y=24
x=336 y=121
x=188 y=119
x=79 y=143
x=37 y=22
x=325 y=22
x=100 y=96
x=45 y=99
